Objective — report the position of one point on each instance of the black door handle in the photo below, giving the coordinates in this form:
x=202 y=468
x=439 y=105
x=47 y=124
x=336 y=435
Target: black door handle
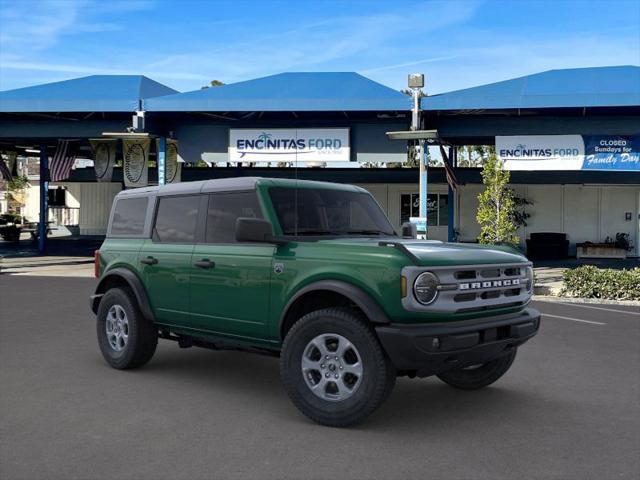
x=205 y=263
x=149 y=261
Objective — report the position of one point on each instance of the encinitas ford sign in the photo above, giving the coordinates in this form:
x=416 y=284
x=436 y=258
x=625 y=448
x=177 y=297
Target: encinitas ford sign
x=569 y=152
x=541 y=152
x=289 y=145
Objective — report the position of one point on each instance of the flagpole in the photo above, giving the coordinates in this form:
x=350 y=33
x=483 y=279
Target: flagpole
x=44 y=199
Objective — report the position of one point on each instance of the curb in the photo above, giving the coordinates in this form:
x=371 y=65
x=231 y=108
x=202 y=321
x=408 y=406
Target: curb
x=546 y=290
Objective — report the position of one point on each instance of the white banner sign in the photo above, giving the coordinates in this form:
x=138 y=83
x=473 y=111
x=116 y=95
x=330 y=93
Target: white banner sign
x=541 y=152
x=136 y=162
x=289 y=145
x=104 y=157
x=173 y=166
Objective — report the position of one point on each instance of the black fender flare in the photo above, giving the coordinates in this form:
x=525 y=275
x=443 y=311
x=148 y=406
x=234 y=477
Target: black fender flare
x=359 y=297
x=133 y=281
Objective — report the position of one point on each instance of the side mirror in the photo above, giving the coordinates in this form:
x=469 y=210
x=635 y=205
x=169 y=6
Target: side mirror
x=409 y=230
x=254 y=230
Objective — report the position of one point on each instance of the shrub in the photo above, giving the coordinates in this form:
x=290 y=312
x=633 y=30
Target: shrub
x=592 y=282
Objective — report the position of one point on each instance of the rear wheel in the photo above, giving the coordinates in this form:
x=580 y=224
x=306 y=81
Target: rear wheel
x=334 y=369
x=478 y=376
x=126 y=338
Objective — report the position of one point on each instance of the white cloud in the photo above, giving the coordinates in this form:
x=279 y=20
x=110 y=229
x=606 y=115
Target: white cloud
x=408 y=64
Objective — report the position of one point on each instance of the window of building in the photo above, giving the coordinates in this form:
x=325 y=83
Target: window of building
x=437 y=211
x=57 y=197
x=224 y=209
x=129 y=215
x=176 y=219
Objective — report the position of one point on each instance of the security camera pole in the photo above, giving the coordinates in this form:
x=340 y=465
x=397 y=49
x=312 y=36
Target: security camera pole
x=416 y=83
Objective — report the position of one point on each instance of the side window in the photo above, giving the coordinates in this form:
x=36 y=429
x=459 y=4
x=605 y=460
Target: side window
x=128 y=216
x=224 y=210
x=176 y=219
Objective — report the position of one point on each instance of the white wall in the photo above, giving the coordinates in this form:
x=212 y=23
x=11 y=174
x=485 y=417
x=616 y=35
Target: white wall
x=614 y=203
x=95 y=205
x=93 y=199
x=583 y=212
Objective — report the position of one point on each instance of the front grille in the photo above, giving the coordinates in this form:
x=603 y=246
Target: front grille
x=471 y=288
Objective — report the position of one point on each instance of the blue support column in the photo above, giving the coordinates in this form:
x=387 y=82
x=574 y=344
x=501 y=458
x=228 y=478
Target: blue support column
x=162 y=160
x=423 y=184
x=44 y=199
x=453 y=153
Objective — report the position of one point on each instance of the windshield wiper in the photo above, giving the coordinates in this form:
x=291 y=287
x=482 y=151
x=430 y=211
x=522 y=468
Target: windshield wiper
x=367 y=232
x=312 y=231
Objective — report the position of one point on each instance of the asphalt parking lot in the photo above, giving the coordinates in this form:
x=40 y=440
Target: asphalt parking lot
x=568 y=409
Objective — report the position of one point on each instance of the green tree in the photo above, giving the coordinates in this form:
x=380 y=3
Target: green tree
x=474 y=155
x=496 y=209
x=213 y=83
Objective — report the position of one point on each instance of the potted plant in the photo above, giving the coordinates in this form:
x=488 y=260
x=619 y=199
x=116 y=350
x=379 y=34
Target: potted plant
x=10 y=226
x=611 y=247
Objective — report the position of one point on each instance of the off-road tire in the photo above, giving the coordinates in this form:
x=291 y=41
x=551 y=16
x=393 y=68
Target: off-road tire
x=378 y=377
x=480 y=377
x=142 y=333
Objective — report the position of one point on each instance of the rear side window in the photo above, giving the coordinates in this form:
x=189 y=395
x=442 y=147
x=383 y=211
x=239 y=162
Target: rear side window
x=128 y=216
x=224 y=210
x=176 y=219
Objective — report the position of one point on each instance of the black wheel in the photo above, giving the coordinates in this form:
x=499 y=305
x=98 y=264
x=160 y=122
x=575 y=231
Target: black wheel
x=126 y=338
x=334 y=369
x=475 y=377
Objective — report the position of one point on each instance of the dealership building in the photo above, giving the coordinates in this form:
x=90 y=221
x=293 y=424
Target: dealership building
x=571 y=139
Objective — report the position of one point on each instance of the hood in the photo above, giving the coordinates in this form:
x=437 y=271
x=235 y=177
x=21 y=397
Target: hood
x=436 y=253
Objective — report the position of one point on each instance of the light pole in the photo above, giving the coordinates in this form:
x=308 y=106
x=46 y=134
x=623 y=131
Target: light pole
x=416 y=83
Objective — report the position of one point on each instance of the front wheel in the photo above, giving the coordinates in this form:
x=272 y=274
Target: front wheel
x=334 y=369
x=475 y=377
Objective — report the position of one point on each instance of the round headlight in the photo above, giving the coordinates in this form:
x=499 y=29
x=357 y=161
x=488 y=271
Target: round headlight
x=425 y=288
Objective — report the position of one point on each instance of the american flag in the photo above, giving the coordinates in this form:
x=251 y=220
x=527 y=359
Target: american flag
x=448 y=169
x=62 y=160
x=4 y=170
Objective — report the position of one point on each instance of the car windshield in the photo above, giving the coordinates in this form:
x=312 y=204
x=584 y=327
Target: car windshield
x=317 y=211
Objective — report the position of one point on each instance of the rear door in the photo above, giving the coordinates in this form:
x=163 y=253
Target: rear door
x=165 y=259
x=230 y=281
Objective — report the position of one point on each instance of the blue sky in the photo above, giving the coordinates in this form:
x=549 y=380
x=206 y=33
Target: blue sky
x=184 y=44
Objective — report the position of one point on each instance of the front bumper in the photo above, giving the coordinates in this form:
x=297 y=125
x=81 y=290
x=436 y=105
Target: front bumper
x=429 y=349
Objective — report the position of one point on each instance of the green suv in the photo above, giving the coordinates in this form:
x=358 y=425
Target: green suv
x=313 y=273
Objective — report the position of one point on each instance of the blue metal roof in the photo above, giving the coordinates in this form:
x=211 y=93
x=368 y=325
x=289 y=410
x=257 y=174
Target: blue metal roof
x=96 y=93
x=577 y=87
x=298 y=92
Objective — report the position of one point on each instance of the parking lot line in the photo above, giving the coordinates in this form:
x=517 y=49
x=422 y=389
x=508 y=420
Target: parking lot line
x=602 y=308
x=573 y=319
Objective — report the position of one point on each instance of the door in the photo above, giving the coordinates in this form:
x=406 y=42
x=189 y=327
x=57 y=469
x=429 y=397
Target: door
x=437 y=212
x=230 y=281
x=166 y=258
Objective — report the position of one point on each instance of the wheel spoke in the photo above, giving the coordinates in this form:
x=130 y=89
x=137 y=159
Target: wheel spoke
x=343 y=347
x=321 y=345
x=308 y=364
x=321 y=386
x=343 y=387
x=355 y=369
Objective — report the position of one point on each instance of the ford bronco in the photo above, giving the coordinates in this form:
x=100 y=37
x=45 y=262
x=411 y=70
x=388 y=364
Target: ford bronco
x=314 y=273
